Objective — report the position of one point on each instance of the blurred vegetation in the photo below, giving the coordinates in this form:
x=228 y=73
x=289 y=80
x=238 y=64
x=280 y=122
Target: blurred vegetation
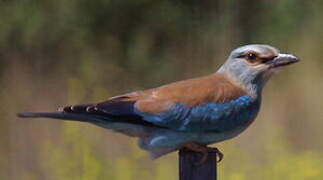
x=61 y=52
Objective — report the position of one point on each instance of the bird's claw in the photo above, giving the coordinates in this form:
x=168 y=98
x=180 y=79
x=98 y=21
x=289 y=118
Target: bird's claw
x=204 y=150
x=219 y=155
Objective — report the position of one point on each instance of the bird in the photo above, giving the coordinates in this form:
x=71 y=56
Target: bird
x=189 y=114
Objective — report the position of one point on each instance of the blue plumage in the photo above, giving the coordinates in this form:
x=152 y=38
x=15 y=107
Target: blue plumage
x=217 y=117
x=192 y=113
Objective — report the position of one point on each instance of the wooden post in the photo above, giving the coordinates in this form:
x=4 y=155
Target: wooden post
x=189 y=170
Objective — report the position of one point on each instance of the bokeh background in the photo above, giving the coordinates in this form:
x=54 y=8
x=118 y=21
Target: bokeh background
x=61 y=52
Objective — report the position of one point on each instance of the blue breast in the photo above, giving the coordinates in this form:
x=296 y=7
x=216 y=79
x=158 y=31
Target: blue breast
x=217 y=117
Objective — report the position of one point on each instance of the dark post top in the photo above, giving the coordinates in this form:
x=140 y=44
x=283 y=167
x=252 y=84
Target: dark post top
x=189 y=170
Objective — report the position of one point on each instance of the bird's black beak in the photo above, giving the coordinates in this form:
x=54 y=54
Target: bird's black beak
x=283 y=60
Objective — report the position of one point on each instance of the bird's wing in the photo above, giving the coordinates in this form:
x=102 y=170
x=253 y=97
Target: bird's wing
x=185 y=105
x=210 y=103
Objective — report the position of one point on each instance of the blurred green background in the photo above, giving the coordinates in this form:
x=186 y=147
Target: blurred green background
x=54 y=53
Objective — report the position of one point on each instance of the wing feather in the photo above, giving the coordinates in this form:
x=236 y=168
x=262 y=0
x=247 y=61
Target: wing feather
x=185 y=105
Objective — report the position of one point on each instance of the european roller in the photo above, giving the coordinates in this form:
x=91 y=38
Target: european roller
x=190 y=114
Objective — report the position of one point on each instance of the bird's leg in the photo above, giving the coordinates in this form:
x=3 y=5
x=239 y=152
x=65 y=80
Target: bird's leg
x=204 y=151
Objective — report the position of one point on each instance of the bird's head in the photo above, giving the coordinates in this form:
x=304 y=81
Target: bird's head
x=251 y=66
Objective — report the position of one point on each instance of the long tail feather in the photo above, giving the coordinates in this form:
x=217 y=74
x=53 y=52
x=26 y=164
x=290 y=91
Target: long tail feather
x=59 y=115
x=126 y=128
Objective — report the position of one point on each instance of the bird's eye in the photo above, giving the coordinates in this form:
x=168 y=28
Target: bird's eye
x=251 y=56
